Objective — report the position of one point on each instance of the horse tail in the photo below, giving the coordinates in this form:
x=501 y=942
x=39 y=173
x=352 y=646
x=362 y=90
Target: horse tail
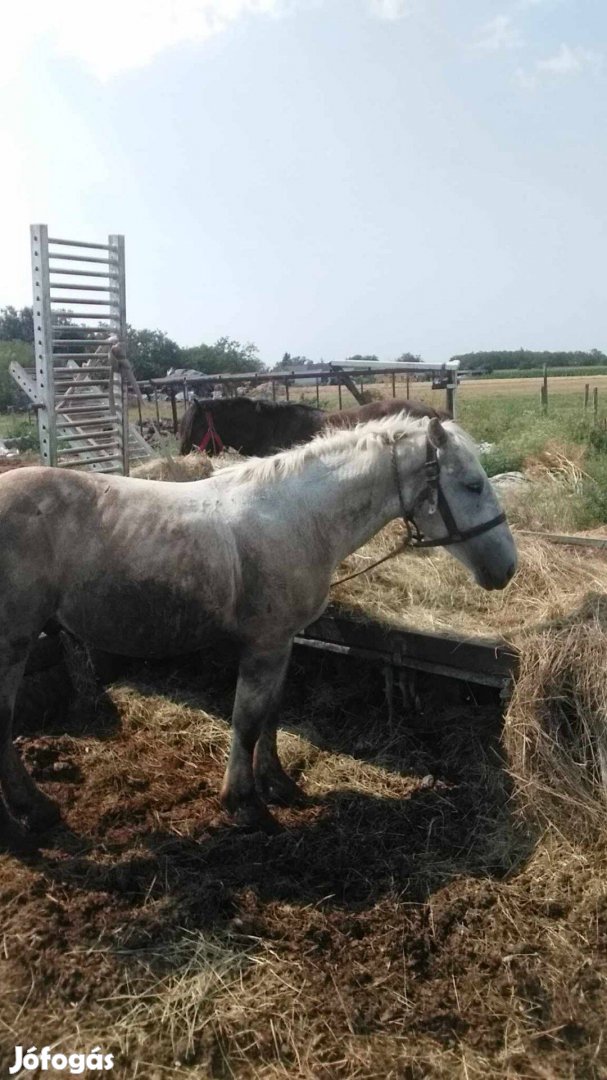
x=186 y=428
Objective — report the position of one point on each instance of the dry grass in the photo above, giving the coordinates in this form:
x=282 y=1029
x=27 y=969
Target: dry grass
x=556 y=727
x=193 y=466
x=431 y=591
x=402 y=925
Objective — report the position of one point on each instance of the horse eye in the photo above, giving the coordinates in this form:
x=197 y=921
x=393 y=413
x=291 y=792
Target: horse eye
x=476 y=487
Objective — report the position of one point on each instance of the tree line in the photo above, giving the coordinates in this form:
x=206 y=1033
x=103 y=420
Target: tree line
x=525 y=359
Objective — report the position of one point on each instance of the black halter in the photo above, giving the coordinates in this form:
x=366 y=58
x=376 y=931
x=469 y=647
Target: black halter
x=433 y=488
x=413 y=537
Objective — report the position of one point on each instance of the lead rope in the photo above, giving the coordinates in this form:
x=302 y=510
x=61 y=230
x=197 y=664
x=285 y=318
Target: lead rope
x=398 y=550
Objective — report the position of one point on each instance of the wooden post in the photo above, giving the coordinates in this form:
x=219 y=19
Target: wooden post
x=595 y=403
x=287 y=388
x=273 y=389
x=544 y=391
x=157 y=406
x=339 y=391
x=394 y=384
x=317 y=393
x=174 y=411
x=140 y=415
x=408 y=381
x=586 y=398
x=350 y=385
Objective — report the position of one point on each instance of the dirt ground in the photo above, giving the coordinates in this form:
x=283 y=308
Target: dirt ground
x=404 y=923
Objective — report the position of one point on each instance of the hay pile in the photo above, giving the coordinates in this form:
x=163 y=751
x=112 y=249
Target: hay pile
x=555 y=614
x=194 y=466
x=429 y=590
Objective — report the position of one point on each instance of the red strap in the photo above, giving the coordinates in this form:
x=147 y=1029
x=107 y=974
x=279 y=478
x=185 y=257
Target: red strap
x=211 y=435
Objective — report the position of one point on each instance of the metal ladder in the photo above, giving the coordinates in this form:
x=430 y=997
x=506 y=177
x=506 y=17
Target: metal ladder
x=80 y=399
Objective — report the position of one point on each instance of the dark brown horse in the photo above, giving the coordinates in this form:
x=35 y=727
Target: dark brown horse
x=264 y=427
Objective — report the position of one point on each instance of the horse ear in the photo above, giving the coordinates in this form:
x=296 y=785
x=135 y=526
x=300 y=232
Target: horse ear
x=437 y=434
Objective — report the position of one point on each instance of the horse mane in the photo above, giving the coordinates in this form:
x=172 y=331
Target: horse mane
x=260 y=405
x=368 y=436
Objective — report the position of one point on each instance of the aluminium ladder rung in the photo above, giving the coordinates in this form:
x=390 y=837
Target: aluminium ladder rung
x=81 y=314
x=77 y=243
x=85 y=370
x=78 y=258
x=66 y=398
x=80 y=341
x=83 y=288
x=80 y=436
x=91 y=461
x=81 y=273
x=62 y=451
x=83 y=300
x=109 y=420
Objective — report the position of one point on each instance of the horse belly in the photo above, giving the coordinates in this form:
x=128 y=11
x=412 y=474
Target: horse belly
x=142 y=618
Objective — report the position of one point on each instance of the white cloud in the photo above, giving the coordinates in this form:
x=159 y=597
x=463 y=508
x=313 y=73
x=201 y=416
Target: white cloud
x=499 y=33
x=391 y=9
x=569 y=60
x=121 y=34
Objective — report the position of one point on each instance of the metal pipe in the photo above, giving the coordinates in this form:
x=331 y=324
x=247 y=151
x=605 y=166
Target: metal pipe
x=82 y=273
x=98 y=316
x=63 y=451
x=109 y=420
x=78 y=258
x=82 y=300
x=79 y=436
x=84 y=371
x=82 y=288
x=77 y=243
x=90 y=461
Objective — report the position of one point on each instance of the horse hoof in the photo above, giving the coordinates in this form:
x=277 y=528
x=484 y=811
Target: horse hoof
x=15 y=840
x=282 y=791
x=255 y=819
x=43 y=814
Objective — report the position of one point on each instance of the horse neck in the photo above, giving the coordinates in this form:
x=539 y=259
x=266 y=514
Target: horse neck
x=344 y=504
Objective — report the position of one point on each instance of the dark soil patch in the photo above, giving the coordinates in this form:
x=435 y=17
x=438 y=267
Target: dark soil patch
x=401 y=925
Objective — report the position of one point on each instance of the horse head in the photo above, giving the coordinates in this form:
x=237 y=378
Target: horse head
x=456 y=507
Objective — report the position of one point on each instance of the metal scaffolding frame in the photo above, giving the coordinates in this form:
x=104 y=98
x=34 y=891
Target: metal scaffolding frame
x=81 y=400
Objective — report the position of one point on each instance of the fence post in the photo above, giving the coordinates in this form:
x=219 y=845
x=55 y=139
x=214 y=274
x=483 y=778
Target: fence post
x=339 y=391
x=393 y=384
x=408 y=383
x=595 y=403
x=544 y=390
x=586 y=397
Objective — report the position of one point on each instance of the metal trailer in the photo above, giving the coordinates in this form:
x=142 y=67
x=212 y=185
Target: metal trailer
x=81 y=401
x=444 y=377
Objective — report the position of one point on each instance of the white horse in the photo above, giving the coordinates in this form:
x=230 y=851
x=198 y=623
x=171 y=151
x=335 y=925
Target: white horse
x=145 y=569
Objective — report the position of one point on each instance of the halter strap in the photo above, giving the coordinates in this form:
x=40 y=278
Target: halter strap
x=211 y=435
x=413 y=537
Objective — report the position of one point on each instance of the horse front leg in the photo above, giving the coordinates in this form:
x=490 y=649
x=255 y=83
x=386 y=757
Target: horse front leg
x=22 y=797
x=261 y=677
x=272 y=782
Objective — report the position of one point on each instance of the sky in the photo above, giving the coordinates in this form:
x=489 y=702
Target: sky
x=323 y=177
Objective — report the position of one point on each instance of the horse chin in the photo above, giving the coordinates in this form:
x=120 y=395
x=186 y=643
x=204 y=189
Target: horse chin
x=492 y=582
